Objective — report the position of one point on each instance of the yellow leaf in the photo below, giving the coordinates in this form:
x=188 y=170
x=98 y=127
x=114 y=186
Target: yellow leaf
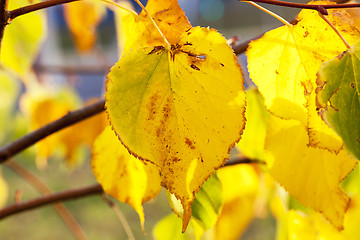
x=122 y=175
x=169 y=17
x=284 y=62
x=311 y=175
x=82 y=18
x=42 y=106
x=22 y=39
x=124 y=20
x=179 y=107
x=4 y=191
x=302 y=226
x=240 y=184
x=253 y=138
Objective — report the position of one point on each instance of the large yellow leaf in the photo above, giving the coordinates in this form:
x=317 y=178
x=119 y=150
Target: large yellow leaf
x=312 y=175
x=82 y=18
x=169 y=17
x=284 y=62
x=240 y=184
x=179 y=107
x=122 y=175
x=22 y=39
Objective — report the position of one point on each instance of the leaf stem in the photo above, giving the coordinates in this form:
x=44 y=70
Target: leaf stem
x=270 y=13
x=119 y=6
x=69 y=119
x=121 y=217
x=337 y=31
x=59 y=207
x=152 y=20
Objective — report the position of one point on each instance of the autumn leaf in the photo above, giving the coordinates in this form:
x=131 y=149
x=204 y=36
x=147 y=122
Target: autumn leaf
x=311 y=175
x=22 y=39
x=42 y=105
x=240 y=185
x=179 y=107
x=82 y=18
x=339 y=97
x=295 y=53
x=253 y=138
x=123 y=176
x=168 y=16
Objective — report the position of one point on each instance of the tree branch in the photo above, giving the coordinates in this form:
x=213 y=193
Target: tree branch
x=51 y=198
x=59 y=207
x=35 y=136
x=34 y=7
x=3 y=18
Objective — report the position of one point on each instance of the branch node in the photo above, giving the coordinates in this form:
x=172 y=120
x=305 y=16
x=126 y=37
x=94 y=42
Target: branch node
x=322 y=10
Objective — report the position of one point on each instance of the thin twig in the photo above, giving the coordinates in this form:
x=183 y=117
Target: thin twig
x=59 y=207
x=49 y=199
x=243 y=160
x=321 y=8
x=69 y=119
x=121 y=217
x=38 y=67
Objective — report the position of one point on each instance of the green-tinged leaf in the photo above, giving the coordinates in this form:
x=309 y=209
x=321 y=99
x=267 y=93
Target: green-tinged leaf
x=208 y=202
x=253 y=138
x=22 y=39
x=170 y=228
x=180 y=107
x=339 y=96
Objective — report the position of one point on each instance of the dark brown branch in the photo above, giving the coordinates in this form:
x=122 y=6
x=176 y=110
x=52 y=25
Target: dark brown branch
x=51 y=198
x=34 y=7
x=3 y=18
x=243 y=160
x=66 y=121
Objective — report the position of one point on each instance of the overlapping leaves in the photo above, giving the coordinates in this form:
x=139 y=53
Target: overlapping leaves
x=299 y=145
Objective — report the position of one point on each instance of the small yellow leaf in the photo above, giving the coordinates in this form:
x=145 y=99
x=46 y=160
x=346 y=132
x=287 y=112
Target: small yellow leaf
x=311 y=175
x=179 y=107
x=169 y=17
x=240 y=184
x=122 y=175
x=82 y=18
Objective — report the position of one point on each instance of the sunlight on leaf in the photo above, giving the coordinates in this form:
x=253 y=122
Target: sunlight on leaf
x=253 y=138
x=339 y=96
x=82 y=18
x=284 y=62
x=123 y=23
x=22 y=39
x=169 y=17
x=179 y=107
x=311 y=175
x=123 y=176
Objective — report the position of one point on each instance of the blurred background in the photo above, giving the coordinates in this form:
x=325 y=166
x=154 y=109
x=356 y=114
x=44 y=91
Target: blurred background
x=60 y=62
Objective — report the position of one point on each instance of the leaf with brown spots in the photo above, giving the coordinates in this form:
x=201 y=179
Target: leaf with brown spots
x=168 y=16
x=184 y=120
